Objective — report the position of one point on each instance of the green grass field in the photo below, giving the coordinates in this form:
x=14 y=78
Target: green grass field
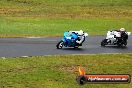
x=20 y=18
x=61 y=71
x=21 y=27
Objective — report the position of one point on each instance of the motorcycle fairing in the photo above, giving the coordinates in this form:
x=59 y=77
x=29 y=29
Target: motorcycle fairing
x=69 y=38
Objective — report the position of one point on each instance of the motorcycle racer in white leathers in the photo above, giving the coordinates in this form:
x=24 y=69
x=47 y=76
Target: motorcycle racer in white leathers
x=116 y=37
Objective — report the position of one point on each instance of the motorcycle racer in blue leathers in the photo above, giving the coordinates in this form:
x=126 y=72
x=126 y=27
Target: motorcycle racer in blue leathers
x=72 y=39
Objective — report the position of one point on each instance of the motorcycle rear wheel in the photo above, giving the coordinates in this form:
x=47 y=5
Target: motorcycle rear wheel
x=125 y=43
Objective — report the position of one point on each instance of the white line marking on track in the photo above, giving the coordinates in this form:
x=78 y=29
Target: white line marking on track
x=24 y=56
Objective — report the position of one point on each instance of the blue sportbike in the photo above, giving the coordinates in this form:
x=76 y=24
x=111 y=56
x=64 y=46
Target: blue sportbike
x=72 y=39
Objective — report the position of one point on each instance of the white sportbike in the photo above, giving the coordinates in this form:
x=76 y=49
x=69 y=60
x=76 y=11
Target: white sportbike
x=116 y=38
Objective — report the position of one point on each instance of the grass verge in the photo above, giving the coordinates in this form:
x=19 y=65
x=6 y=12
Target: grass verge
x=23 y=27
x=22 y=18
x=61 y=71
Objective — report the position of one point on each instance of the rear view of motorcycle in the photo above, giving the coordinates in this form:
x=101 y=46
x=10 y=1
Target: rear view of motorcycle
x=72 y=39
x=116 y=37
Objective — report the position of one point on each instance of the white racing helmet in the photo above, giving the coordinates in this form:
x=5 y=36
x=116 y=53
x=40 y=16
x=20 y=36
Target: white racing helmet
x=80 y=32
x=122 y=29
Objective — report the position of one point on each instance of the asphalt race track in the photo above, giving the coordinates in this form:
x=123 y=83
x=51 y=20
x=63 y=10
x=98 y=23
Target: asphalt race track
x=17 y=47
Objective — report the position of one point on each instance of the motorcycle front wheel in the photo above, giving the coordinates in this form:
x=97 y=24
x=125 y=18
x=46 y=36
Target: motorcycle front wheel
x=104 y=42
x=60 y=45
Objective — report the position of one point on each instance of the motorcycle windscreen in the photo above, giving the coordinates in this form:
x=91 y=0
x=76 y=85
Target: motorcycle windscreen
x=66 y=34
x=67 y=37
